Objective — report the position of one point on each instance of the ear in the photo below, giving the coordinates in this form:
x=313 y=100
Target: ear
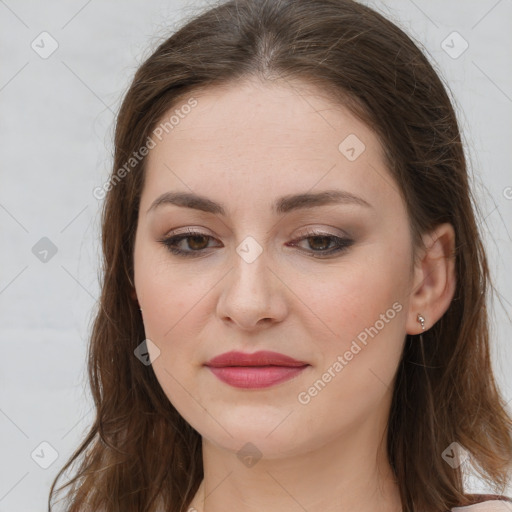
x=434 y=279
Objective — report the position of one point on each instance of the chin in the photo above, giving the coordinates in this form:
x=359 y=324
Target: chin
x=259 y=436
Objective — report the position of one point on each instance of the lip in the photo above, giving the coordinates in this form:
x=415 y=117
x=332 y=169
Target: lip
x=261 y=358
x=258 y=370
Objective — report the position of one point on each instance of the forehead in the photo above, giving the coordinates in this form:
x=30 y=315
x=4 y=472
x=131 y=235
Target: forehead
x=275 y=114
x=251 y=138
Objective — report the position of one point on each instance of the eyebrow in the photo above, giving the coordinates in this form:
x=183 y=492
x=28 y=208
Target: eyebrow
x=282 y=205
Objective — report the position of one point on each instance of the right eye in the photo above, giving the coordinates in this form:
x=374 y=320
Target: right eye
x=196 y=241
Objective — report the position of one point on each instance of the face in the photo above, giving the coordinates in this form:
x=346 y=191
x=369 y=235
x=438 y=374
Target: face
x=325 y=280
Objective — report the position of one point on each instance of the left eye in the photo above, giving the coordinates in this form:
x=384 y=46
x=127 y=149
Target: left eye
x=320 y=244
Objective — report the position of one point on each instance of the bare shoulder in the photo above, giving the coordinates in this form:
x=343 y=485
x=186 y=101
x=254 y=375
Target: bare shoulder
x=494 y=505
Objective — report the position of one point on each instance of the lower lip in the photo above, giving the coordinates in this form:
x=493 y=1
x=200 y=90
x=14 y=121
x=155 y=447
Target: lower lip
x=255 y=376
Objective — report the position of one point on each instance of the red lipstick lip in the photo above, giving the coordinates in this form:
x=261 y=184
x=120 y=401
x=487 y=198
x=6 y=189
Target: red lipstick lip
x=261 y=358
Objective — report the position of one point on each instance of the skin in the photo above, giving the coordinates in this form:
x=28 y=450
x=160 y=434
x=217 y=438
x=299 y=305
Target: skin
x=245 y=145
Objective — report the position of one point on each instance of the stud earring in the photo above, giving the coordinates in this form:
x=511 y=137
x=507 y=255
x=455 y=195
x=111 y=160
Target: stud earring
x=421 y=320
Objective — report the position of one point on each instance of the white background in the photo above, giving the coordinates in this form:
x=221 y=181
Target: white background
x=56 y=128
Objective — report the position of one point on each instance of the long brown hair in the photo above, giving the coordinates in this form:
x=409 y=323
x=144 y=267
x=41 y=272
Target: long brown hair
x=140 y=453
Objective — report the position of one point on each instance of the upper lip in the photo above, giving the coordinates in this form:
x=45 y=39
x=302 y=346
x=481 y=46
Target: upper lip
x=261 y=358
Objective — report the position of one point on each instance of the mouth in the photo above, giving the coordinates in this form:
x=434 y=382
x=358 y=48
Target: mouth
x=257 y=370
x=255 y=376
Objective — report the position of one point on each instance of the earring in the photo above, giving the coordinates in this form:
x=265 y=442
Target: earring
x=421 y=320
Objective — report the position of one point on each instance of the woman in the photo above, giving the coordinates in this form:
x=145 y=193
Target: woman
x=293 y=305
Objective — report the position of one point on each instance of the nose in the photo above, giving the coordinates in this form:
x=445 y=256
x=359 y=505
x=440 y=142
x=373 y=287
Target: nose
x=253 y=295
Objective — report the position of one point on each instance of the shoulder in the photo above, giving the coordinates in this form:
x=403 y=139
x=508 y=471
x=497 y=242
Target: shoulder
x=486 y=503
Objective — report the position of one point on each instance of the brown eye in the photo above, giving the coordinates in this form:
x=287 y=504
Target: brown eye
x=189 y=244
x=320 y=242
x=194 y=244
x=197 y=242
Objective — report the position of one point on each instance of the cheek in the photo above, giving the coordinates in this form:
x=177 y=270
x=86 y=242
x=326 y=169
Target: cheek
x=358 y=315
x=353 y=296
x=176 y=306
x=173 y=306
x=170 y=294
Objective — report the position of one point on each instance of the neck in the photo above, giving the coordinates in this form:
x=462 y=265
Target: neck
x=345 y=474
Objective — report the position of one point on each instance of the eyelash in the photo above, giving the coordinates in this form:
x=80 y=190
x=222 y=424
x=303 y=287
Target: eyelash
x=342 y=244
